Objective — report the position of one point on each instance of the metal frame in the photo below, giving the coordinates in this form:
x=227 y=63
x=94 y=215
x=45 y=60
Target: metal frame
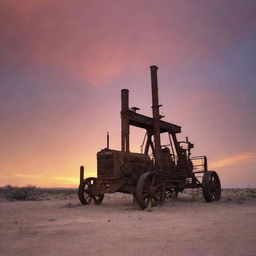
x=127 y=172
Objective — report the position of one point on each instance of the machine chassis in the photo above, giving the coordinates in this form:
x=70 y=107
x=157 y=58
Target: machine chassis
x=151 y=180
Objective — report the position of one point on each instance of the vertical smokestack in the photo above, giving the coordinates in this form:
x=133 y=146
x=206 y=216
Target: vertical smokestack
x=156 y=116
x=107 y=140
x=124 y=119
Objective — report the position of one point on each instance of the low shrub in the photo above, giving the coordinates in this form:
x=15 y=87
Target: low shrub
x=29 y=192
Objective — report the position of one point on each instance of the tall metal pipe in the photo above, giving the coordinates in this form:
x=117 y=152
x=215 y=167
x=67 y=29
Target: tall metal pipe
x=156 y=116
x=107 y=140
x=125 y=131
x=81 y=174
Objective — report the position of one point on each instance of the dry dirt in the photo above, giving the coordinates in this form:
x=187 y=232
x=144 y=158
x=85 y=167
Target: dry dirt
x=188 y=226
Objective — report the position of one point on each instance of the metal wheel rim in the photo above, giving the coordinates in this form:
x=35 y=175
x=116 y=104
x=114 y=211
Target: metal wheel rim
x=211 y=186
x=83 y=192
x=148 y=191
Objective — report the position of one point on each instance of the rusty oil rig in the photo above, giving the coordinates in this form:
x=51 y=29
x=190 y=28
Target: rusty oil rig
x=154 y=179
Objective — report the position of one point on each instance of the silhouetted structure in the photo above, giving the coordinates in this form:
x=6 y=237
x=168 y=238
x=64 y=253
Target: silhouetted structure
x=151 y=179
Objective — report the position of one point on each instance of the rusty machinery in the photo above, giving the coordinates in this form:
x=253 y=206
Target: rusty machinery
x=150 y=178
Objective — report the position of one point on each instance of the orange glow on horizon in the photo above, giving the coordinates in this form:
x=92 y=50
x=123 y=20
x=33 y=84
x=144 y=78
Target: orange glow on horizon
x=72 y=181
x=230 y=161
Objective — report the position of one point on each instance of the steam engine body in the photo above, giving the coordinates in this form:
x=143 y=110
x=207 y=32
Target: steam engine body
x=159 y=172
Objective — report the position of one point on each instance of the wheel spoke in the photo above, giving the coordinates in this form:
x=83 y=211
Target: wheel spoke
x=157 y=187
x=88 y=198
x=152 y=182
x=147 y=182
x=213 y=185
x=149 y=203
x=156 y=198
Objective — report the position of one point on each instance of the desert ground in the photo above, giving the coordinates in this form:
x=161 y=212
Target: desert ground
x=57 y=224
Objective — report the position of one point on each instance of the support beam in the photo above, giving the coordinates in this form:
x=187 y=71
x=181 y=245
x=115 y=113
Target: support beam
x=146 y=122
x=125 y=129
x=147 y=144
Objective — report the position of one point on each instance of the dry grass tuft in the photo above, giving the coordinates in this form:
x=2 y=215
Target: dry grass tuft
x=238 y=195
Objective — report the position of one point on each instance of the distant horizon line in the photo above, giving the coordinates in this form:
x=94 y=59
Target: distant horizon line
x=74 y=188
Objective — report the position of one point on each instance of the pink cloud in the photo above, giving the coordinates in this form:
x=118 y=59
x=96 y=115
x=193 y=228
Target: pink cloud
x=99 y=41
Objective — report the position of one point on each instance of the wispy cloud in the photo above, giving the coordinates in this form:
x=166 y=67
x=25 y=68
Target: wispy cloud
x=238 y=159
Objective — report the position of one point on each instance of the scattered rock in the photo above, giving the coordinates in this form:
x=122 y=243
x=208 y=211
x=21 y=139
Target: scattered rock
x=24 y=230
x=70 y=205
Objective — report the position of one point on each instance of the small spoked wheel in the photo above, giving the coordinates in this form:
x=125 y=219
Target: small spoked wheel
x=85 y=195
x=211 y=186
x=149 y=191
x=171 y=194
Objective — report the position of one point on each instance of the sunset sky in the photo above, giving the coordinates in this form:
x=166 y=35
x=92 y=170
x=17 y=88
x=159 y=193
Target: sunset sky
x=63 y=64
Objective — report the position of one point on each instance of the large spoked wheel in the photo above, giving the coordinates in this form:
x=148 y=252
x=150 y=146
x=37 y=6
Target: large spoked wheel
x=211 y=186
x=84 y=194
x=149 y=191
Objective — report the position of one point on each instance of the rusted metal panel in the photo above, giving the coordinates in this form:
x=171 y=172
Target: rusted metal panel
x=106 y=186
x=114 y=163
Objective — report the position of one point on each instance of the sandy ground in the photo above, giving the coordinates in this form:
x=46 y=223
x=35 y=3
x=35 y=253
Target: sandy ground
x=62 y=226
